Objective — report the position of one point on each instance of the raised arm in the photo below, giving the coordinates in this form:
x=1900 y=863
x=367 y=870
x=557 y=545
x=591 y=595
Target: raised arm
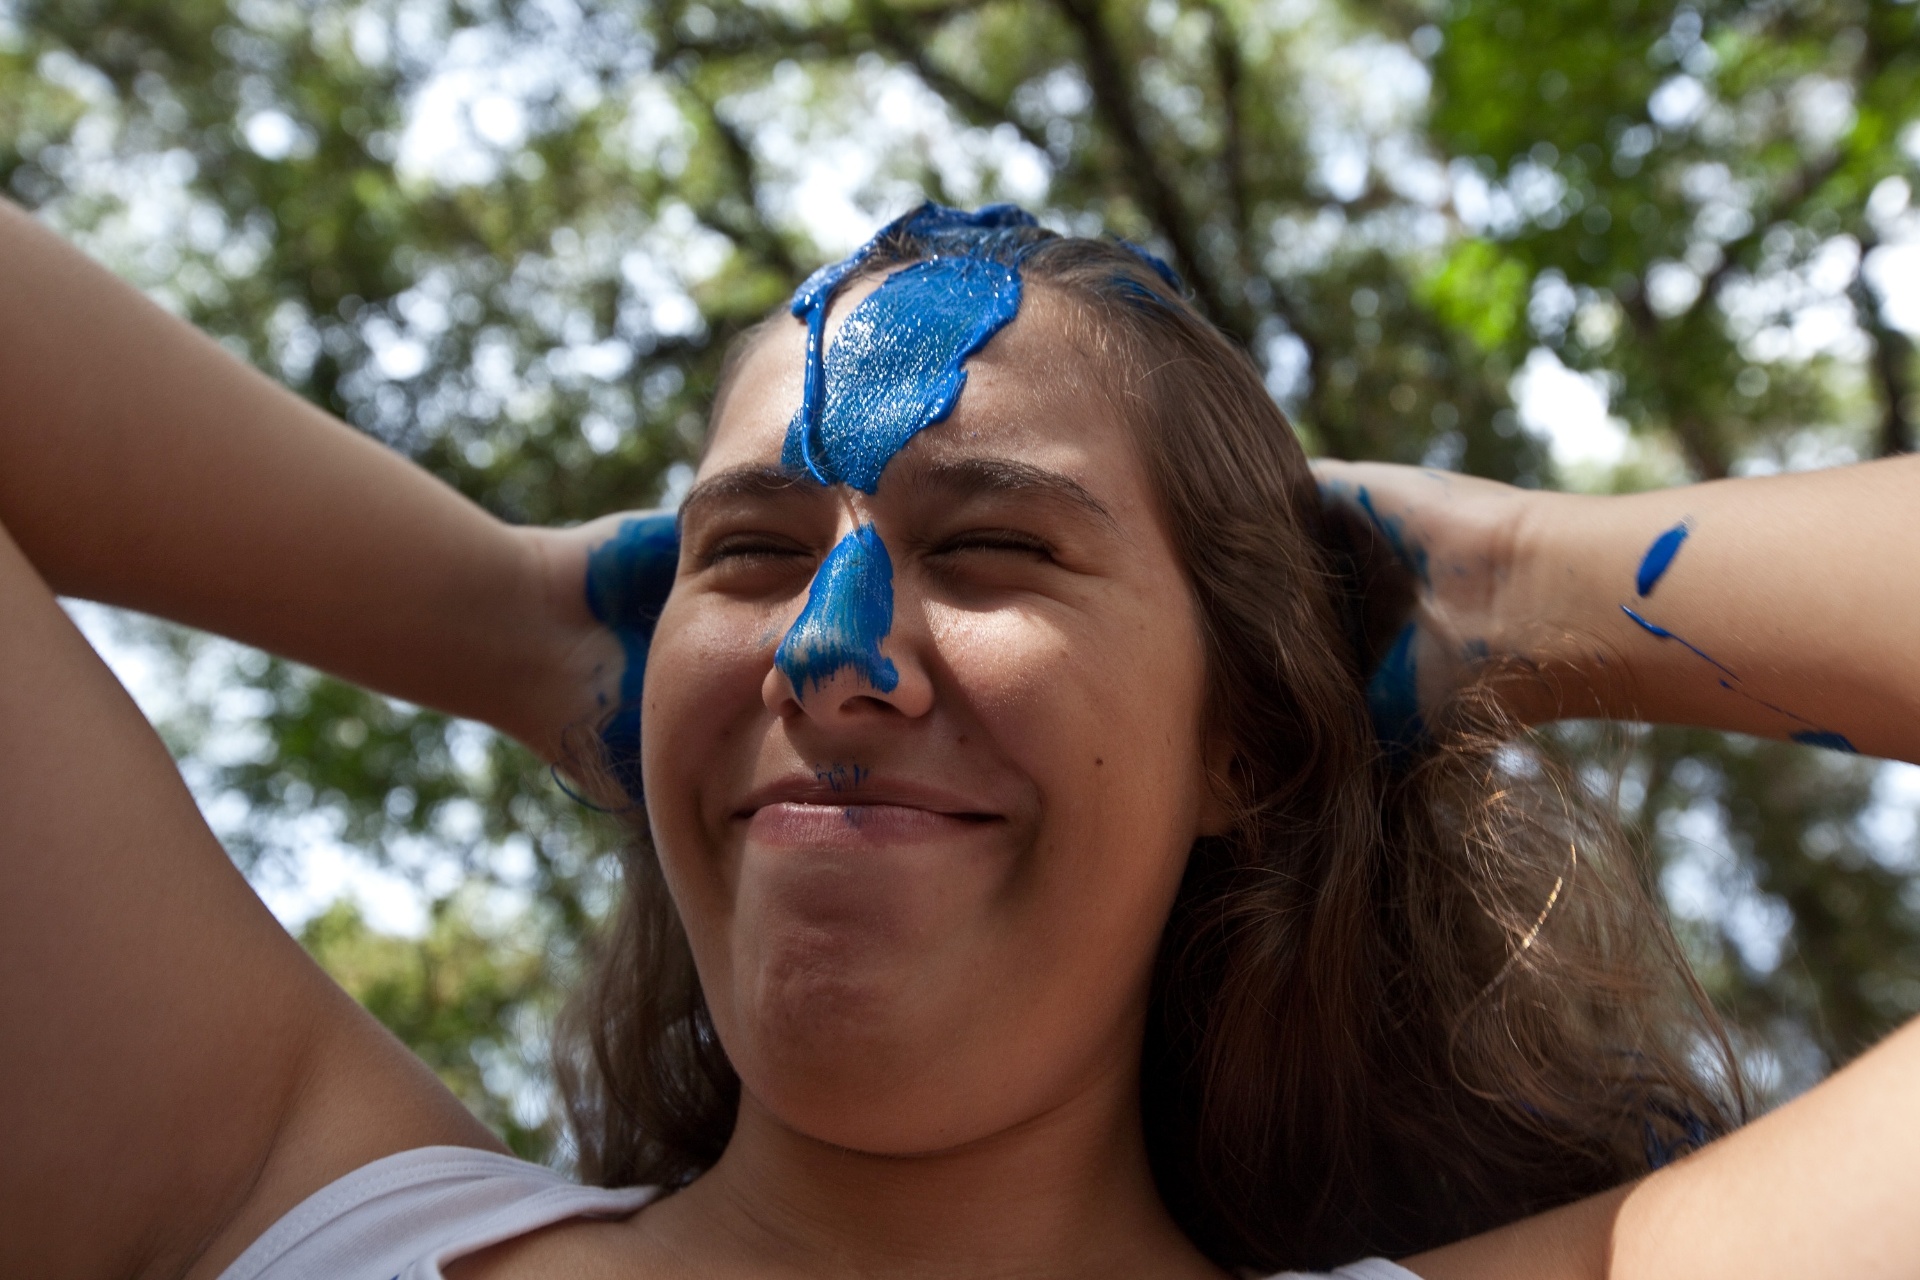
x=142 y=465
x=1784 y=607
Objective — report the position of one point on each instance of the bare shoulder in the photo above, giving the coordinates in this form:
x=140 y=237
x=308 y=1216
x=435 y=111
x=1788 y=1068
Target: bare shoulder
x=580 y=1249
x=1568 y=1243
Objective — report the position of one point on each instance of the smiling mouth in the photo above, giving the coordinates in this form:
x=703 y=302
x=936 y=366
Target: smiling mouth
x=808 y=824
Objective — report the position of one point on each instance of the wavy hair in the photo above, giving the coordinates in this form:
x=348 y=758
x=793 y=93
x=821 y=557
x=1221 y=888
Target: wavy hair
x=1406 y=998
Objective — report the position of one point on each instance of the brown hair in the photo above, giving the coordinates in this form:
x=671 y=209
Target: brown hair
x=1407 y=998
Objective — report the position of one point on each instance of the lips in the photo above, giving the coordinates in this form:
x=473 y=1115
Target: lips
x=813 y=810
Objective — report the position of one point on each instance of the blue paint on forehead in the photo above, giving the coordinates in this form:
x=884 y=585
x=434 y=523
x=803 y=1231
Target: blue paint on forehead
x=1825 y=738
x=628 y=579
x=894 y=369
x=1659 y=556
x=849 y=612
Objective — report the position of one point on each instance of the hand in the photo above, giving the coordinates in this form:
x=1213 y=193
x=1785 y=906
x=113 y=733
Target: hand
x=605 y=584
x=1435 y=553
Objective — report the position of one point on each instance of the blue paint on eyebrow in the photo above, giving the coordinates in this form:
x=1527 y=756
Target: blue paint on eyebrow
x=1409 y=553
x=1393 y=697
x=895 y=366
x=849 y=611
x=628 y=579
x=1659 y=556
x=1825 y=738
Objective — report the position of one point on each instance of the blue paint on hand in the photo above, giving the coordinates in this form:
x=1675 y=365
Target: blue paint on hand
x=1659 y=556
x=628 y=579
x=894 y=369
x=1408 y=552
x=849 y=612
x=1825 y=738
x=1393 y=696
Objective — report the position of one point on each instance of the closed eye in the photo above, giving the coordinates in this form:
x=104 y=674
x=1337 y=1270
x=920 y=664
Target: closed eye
x=750 y=549
x=1005 y=541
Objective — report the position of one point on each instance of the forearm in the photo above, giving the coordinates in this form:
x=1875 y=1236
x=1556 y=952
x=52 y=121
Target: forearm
x=144 y=466
x=1790 y=608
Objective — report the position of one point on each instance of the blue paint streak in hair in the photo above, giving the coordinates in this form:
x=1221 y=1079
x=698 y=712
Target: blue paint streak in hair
x=628 y=579
x=1154 y=261
x=1826 y=738
x=849 y=612
x=1659 y=556
x=1655 y=629
x=894 y=368
x=1405 y=550
x=1393 y=696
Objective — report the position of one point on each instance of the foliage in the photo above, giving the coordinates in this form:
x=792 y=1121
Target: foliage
x=512 y=237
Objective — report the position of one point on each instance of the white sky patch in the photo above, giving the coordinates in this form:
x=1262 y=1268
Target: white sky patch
x=1569 y=411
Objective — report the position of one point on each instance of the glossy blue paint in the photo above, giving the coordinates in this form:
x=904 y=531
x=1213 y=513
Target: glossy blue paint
x=628 y=579
x=1393 y=696
x=849 y=611
x=1825 y=738
x=1659 y=557
x=895 y=366
x=895 y=369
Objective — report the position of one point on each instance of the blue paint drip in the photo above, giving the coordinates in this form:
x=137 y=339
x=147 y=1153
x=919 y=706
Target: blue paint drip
x=628 y=579
x=1659 y=556
x=1393 y=696
x=894 y=369
x=1655 y=629
x=1406 y=551
x=849 y=612
x=1825 y=738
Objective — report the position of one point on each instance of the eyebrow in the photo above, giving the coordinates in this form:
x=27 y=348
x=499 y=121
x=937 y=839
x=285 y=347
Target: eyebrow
x=745 y=482
x=958 y=479
x=954 y=480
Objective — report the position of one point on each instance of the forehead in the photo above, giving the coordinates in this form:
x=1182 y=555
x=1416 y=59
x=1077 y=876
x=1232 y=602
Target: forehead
x=1034 y=393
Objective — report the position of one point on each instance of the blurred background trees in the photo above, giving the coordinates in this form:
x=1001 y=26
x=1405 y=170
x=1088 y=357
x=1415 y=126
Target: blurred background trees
x=1592 y=243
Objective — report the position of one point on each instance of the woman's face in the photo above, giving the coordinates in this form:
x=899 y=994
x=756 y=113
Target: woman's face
x=924 y=915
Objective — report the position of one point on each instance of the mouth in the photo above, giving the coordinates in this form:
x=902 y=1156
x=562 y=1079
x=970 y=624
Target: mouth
x=834 y=804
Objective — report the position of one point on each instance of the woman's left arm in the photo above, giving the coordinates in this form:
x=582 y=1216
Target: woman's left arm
x=1784 y=606
x=143 y=465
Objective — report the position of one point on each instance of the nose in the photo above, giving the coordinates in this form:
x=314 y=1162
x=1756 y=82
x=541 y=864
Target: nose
x=838 y=658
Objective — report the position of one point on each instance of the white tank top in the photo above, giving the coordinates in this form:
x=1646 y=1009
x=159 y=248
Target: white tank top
x=402 y=1217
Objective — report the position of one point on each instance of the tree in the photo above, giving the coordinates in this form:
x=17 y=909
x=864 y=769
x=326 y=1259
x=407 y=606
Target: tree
x=512 y=240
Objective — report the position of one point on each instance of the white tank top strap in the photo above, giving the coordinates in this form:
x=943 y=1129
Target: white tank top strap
x=1365 y=1269
x=400 y=1218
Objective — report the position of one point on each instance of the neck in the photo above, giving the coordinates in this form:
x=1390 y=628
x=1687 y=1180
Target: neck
x=1063 y=1194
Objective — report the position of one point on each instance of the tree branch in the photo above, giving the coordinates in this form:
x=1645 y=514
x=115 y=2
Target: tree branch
x=1113 y=102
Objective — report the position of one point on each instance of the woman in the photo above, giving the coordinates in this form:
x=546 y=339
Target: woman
x=1022 y=890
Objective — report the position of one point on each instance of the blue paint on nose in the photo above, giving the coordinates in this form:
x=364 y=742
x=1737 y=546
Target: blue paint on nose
x=849 y=612
x=895 y=366
x=628 y=579
x=1659 y=556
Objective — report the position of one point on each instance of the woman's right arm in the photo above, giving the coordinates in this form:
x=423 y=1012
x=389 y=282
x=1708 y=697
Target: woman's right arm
x=175 y=1073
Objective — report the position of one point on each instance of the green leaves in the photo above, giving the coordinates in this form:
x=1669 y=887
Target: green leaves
x=512 y=239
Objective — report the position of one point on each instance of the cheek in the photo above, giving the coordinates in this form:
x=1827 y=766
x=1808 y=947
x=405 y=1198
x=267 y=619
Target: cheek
x=702 y=694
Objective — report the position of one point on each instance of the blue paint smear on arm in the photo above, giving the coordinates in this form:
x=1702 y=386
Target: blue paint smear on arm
x=1393 y=696
x=894 y=368
x=1656 y=630
x=1659 y=556
x=1825 y=738
x=1409 y=553
x=849 y=611
x=628 y=579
